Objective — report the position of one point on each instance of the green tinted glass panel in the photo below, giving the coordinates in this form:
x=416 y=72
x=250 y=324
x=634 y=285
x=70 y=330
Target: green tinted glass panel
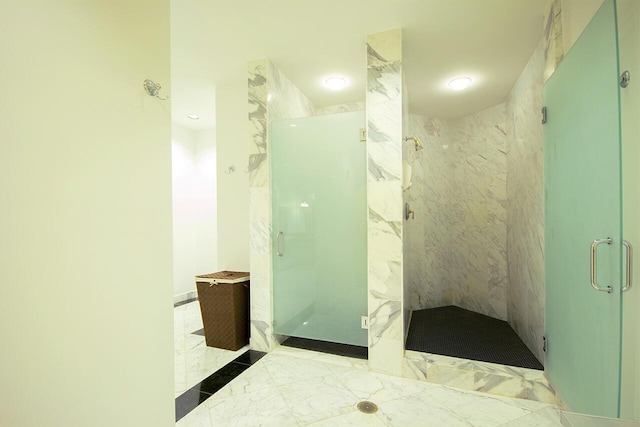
x=583 y=203
x=318 y=170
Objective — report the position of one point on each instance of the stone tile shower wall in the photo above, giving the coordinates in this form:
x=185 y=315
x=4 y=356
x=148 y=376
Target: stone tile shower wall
x=430 y=196
x=384 y=198
x=478 y=234
x=458 y=240
x=525 y=217
x=271 y=97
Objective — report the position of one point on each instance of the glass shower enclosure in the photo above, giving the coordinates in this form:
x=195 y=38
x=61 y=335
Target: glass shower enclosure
x=584 y=276
x=318 y=176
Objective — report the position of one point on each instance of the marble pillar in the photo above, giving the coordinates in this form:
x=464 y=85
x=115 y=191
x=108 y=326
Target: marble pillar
x=384 y=199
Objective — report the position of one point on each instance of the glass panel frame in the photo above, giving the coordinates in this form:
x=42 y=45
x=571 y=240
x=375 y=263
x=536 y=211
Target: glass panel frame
x=583 y=202
x=318 y=176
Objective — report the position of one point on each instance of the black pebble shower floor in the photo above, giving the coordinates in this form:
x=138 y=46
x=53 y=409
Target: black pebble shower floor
x=454 y=331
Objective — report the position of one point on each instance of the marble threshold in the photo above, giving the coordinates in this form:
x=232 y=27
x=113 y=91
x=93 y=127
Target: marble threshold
x=501 y=380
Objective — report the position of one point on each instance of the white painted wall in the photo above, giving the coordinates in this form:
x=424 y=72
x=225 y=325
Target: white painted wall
x=206 y=214
x=233 y=188
x=85 y=217
x=194 y=206
x=184 y=194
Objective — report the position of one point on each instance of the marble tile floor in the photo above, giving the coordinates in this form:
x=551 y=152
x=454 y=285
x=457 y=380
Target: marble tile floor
x=193 y=360
x=292 y=387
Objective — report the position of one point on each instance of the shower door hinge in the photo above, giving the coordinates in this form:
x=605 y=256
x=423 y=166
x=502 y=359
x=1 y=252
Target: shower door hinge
x=625 y=78
x=364 y=322
x=544 y=344
x=363 y=134
x=544 y=115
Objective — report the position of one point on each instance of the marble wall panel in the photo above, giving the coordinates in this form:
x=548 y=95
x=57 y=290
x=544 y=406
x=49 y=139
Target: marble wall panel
x=479 y=150
x=459 y=194
x=384 y=194
x=429 y=196
x=260 y=265
x=257 y=91
x=259 y=209
x=284 y=98
x=553 y=38
x=406 y=246
x=340 y=108
x=525 y=193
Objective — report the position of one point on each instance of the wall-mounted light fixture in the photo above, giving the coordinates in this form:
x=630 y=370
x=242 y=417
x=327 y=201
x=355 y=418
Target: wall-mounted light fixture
x=153 y=89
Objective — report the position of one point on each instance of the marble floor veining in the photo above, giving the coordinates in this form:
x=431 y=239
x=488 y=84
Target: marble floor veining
x=293 y=387
x=193 y=360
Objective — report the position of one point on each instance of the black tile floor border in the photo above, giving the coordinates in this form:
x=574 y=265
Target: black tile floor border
x=456 y=332
x=339 y=349
x=190 y=399
x=187 y=301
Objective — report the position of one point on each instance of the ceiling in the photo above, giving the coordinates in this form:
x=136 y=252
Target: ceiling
x=487 y=40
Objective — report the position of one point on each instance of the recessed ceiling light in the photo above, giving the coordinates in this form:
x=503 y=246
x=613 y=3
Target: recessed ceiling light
x=459 y=83
x=193 y=116
x=336 y=83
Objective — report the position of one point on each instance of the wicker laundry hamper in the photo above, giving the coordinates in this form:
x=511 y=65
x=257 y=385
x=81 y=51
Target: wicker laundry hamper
x=224 y=304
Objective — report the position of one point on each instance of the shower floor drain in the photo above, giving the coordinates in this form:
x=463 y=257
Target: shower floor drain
x=367 y=407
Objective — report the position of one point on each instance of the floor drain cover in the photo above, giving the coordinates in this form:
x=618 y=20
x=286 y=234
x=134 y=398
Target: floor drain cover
x=367 y=407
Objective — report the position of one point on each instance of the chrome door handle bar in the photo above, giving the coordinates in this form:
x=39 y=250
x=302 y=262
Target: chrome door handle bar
x=594 y=276
x=280 y=233
x=629 y=282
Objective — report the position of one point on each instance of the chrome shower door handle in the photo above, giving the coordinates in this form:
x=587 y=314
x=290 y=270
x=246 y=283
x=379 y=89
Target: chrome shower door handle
x=594 y=274
x=280 y=233
x=629 y=281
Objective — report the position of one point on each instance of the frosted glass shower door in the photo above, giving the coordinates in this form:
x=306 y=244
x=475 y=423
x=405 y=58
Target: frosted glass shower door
x=318 y=171
x=583 y=203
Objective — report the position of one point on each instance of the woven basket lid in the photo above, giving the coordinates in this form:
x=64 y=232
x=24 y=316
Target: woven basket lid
x=224 y=277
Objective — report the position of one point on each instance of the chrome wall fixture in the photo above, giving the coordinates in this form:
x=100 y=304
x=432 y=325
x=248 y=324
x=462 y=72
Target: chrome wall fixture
x=408 y=212
x=625 y=78
x=417 y=145
x=153 y=89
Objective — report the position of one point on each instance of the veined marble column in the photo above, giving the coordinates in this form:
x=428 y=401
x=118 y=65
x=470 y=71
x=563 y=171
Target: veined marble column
x=384 y=199
x=259 y=210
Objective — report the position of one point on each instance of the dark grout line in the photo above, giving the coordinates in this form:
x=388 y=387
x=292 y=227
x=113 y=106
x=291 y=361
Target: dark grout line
x=178 y=304
x=249 y=357
x=339 y=349
x=190 y=399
